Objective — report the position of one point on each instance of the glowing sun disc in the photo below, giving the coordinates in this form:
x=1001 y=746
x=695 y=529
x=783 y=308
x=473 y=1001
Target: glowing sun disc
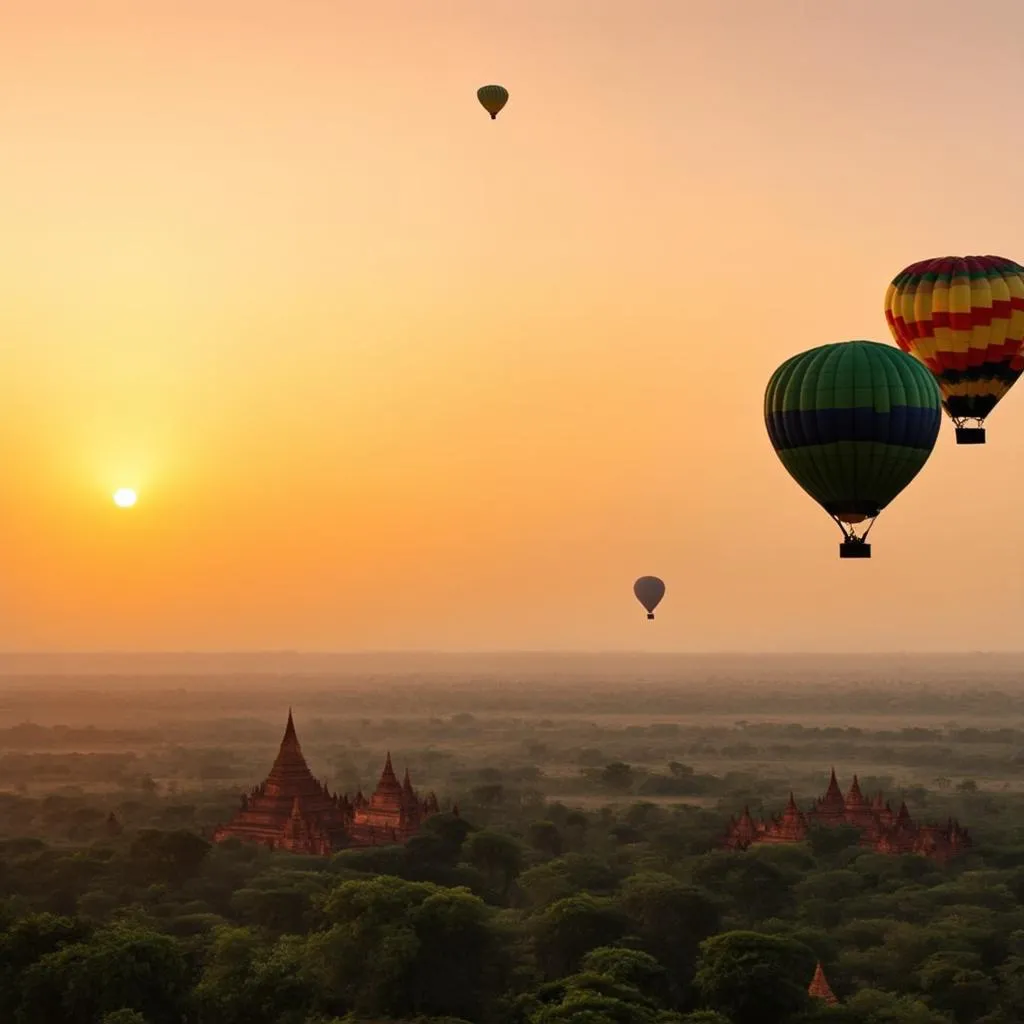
x=125 y=497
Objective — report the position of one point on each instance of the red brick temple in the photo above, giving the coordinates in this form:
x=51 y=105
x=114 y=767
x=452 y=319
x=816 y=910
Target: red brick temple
x=292 y=810
x=880 y=828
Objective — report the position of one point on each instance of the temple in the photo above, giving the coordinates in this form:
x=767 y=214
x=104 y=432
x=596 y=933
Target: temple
x=880 y=828
x=819 y=987
x=291 y=810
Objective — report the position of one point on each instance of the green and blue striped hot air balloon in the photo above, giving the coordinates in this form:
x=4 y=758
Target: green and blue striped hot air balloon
x=853 y=423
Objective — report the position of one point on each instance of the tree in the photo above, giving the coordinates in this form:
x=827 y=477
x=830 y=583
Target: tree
x=498 y=856
x=613 y=985
x=282 y=903
x=617 y=776
x=451 y=830
x=118 y=968
x=171 y=857
x=245 y=981
x=573 y=873
x=402 y=948
x=754 y=886
x=25 y=942
x=625 y=966
x=754 y=978
x=570 y=928
x=544 y=837
x=670 y=920
x=955 y=983
x=872 y=1006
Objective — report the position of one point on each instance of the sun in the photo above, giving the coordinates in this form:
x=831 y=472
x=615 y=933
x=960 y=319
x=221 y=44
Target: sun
x=125 y=497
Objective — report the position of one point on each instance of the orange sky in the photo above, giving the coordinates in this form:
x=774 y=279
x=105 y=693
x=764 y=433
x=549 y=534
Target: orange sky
x=389 y=375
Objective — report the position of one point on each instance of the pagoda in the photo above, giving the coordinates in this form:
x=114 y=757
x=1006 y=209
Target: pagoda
x=879 y=828
x=393 y=814
x=291 y=810
x=819 y=987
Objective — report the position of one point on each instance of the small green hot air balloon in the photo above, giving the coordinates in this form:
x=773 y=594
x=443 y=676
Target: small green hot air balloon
x=492 y=98
x=853 y=423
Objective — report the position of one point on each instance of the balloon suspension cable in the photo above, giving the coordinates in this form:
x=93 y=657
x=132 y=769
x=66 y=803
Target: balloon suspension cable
x=962 y=421
x=969 y=435
x=848 y=531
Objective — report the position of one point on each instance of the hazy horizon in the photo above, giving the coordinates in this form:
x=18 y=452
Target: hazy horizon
x=662 y=665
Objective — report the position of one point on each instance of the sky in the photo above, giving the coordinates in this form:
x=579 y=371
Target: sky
x=388 y=375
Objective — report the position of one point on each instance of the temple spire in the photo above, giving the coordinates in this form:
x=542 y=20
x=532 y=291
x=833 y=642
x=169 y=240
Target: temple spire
x=290 y=774
x=388 y=779
x=819 y=987
x=833 y=795
x=855 y=796
x=290 y=749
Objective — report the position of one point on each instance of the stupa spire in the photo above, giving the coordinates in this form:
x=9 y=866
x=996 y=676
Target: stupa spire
x=819 y=987
x=388 y=779
x=290 y=775
x=833 y=795
x=855 y=796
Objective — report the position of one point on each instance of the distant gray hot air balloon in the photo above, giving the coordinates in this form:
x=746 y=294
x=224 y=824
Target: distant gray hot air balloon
x=649 y=591
x=492 y=98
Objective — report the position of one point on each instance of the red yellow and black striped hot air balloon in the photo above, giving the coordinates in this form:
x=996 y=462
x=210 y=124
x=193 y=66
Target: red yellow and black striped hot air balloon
x=963 y=318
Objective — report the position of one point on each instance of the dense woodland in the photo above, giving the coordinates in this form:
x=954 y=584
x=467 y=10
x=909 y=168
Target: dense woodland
x=579 y=885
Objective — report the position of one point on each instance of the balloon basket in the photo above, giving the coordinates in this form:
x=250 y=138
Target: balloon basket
x=854 y=548
x=650 y=615
x=970 y=435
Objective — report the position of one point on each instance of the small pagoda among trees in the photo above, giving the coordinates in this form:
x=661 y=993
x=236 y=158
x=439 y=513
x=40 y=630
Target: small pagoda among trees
x=292 y=810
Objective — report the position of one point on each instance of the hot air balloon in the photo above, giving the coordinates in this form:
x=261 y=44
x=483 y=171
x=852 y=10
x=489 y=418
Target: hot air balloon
x=963 y=318
x=492 y=98
x=649 y=591
x=853 y=423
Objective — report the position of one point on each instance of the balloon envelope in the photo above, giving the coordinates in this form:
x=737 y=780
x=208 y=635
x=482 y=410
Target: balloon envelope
x=963 y=318
x=492 y=98
x=649 y=591
x=853 y=423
